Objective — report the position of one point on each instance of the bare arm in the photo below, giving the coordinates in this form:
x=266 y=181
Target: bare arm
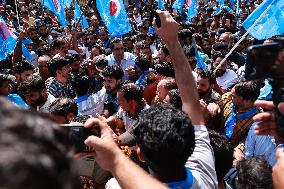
x=111 y=158
x=168 y=32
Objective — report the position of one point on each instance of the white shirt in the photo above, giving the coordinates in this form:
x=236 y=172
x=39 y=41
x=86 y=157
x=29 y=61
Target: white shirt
x=127 y=61
x=45 y=108
x=228 y=79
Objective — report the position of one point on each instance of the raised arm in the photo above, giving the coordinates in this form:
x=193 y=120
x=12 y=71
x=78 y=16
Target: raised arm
x=168 y=32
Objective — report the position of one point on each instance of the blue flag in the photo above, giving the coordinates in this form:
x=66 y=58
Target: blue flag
x=271 y=24
x=57 y=8
x=200 y=61
x=192 y=9
x=79 y=15
x=114 y=16
x=66 y=3
x=221 y=2
x=178 y=4
x=161 y=5
x=8 y=40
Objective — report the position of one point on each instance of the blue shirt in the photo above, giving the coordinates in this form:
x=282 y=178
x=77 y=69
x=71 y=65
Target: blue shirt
x=257 y=145
x=17 y=101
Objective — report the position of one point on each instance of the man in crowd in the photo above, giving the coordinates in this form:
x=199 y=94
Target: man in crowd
x=60 y=71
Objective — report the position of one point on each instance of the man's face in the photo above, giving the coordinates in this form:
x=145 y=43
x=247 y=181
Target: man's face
x=24 y=75
x=238 y=101
x=146 y=52
x=203 y=86
x=111 y=84
x=65 y=72
x=222 y=69
x=161 y=92
x=123 y=102
x=207 y=47
x=118 y=51
x=35 y=98
x=43 y=31
x=224 y=38
x=90 y=40
x=4 y=88
x=43 y=68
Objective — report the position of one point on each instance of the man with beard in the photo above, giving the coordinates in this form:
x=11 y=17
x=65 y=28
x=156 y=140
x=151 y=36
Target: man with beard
x=35 y=93
x=205 y=82
x=225 y=78
x=108 y=94
x=58 y=84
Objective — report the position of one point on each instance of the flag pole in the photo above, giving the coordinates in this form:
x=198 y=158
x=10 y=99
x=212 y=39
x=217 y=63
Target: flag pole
x=18 y=19
x=244 y=36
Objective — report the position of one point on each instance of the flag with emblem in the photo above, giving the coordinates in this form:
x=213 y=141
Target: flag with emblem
x=8 y=40
x=114 y=16
x=57 y=8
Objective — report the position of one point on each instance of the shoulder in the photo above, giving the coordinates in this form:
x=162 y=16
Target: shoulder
x=231 y=73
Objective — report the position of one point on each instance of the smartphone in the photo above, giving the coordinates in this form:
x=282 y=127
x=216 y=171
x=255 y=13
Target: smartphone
x=77 y=134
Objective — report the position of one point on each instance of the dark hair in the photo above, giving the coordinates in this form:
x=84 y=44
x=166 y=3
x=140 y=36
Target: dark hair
x=143 y=63
x=57 y=43
x=80 y=84
x=55 y=64
x=184 y=34
x=20 y=67
x=3 y=78
x=71 y=58
x=113 y=71
x=223 y=152
x=169 y=83
x=165 y=50
x=249 y=90
x=34 y=151
x=113 y=41
x=33 y=83
x=165 y=69
x=43 y=50
x=100 y=61
x=63 y=106
x=166 y=138
x=175 y=98
x=217 y=54
x=132 y=92
x=254 y=172
x=208 y=75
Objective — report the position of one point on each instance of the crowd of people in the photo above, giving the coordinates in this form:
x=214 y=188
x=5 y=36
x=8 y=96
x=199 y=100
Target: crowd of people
x=185 y=115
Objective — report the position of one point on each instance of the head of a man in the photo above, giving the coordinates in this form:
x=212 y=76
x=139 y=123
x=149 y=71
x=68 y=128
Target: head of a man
x=34 y=151
x=23 y=70
x=217 y=58
x=34 y=91
x=173 y=97
x=4 y=85
x=117 y=49
x=164 y=86
x=165 y=139
x=244 y=94
x=254 y=172
x=112 y=78
x=227 y=38
x=63 y=110
x=59 y=68
x=130 y=97
x=204 y=83
x=42 y=65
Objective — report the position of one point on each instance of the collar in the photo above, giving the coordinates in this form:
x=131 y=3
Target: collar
x=185 y=184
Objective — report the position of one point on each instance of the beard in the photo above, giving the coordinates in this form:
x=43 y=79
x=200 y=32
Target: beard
x=220 y=73
x=203 y=93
